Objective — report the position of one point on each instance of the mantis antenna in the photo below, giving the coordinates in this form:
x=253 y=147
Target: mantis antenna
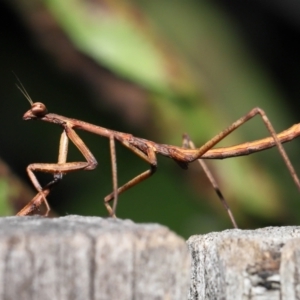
x=23 y=90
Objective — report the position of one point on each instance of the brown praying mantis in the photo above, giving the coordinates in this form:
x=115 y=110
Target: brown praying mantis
x=146 y=150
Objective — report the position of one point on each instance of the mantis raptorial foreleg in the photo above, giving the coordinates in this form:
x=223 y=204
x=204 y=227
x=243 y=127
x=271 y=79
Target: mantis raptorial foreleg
x=44 y=192
x=58 y=169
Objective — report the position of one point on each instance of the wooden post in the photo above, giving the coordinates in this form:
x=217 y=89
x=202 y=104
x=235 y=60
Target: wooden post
x=246 y=264
x=86 y=258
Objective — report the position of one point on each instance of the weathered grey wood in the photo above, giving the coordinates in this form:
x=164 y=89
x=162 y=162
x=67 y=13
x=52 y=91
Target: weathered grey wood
x=246 y=264
x=290 y=269
x=90 y=258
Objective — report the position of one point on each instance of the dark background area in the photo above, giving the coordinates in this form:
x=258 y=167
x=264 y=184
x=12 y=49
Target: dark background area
x=270 y=30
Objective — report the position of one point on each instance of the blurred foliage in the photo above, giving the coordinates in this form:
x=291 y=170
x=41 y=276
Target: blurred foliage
x=4 y=195
x=196 y=76
x=13 y=194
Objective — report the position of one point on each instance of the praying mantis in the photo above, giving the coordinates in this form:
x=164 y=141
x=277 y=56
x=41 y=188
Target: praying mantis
x=146 y=150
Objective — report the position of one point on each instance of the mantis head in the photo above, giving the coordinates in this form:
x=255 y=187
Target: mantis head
x=37 y=110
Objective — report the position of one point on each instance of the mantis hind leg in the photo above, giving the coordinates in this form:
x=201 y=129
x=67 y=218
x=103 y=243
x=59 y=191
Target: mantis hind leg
x=187 y=143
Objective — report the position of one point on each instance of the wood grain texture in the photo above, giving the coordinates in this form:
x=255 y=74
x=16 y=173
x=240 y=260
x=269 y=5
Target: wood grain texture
x=246 y=264
x=77 y=257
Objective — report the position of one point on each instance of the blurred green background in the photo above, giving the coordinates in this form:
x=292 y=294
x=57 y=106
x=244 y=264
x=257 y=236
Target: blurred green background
x=155 y=69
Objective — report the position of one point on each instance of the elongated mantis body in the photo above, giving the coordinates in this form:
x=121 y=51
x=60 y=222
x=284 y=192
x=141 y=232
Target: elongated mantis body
x=145 y=149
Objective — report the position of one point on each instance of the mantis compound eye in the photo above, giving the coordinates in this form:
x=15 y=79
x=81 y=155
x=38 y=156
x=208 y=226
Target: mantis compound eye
x=39 y=109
